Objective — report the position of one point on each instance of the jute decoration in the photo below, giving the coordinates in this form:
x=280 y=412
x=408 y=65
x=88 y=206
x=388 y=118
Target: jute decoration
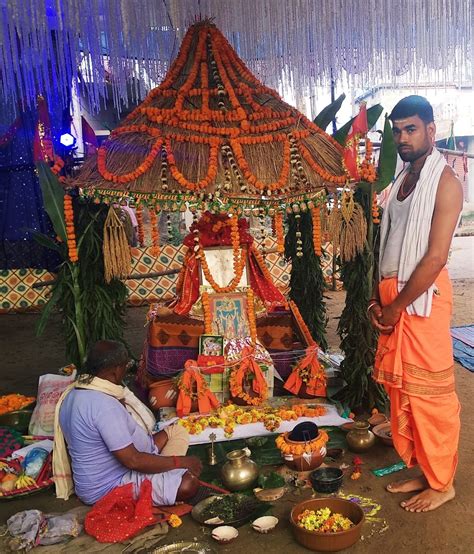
x=348 y=227
x=116 y=251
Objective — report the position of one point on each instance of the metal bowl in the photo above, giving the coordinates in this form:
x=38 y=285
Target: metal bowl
x=326 y=479
x=18 y=420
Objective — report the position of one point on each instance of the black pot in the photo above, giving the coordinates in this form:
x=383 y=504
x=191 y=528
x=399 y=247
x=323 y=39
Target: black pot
x=326 y=479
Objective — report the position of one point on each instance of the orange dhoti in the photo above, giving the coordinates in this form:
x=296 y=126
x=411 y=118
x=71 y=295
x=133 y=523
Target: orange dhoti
x=415 y=364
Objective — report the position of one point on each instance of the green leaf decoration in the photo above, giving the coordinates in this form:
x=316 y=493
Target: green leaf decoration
x=46 y=241
x=53 y=198
x=387 y=159
x=327 y=114
x=373 y=114
x=56 y=295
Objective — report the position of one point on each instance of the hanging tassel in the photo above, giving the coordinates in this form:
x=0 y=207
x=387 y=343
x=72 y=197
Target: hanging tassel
x=116 y=251
x=316 y=218
x=348 y=227
x=70 y=231
x=141 y=230
x=155 y=233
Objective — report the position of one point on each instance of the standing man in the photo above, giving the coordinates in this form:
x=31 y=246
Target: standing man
x=411 y=308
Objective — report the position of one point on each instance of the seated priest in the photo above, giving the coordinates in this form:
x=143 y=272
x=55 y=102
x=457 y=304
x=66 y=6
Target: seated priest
x=108 y=434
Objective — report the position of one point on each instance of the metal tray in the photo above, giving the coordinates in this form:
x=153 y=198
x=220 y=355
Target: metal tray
x=185 y=546
x=260 y=509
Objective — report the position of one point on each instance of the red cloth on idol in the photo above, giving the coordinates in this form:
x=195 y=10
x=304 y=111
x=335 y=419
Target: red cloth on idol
x=119 y=516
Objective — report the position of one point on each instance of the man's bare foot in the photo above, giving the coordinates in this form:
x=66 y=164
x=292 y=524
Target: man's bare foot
x=408 y=485
x=428 y=500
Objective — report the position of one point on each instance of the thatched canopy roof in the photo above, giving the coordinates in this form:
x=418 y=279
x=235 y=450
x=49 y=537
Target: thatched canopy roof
x=212 y=130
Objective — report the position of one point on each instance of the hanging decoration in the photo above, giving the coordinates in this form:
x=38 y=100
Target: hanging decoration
x=70 y=232
x=348 y=227
x=280 y=41
x=116 y=251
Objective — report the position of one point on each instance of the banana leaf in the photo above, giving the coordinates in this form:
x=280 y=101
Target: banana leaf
x=327 y=114
x=373 y=114
x=388 y=158
x=53 y=198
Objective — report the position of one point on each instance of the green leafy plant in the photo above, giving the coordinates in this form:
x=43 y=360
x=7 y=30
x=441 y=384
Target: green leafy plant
x=90 y=309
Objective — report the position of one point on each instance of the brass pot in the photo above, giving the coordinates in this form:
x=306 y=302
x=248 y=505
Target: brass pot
x=360 y=438
x=239 y=472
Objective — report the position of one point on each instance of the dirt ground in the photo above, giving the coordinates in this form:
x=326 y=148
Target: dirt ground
x=447 y=530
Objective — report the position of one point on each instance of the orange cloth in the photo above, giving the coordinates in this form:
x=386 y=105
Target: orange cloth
x=206 y=400
x=415 y=364
x=316 y=385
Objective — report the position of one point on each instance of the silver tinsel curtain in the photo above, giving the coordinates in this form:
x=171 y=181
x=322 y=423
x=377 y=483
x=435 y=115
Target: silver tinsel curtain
x=123 y=47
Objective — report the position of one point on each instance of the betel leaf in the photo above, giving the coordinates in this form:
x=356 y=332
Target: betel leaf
x=387 y=159
x=327 y=114
x=373 y=114
x=53 y=198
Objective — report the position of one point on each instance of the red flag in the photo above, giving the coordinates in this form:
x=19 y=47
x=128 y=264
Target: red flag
x=359 y=128
x=43 y=143
x=89 y=138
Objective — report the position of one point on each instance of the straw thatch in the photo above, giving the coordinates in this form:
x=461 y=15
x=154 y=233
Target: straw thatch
x=212 y=118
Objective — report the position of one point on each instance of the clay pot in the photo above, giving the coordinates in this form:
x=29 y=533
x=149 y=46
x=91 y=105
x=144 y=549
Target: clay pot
x=360 y=438
x=304 y=462
x=162 y=394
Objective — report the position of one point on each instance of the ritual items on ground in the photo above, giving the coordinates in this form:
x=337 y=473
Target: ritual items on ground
x=326 y=480
x=304 y=448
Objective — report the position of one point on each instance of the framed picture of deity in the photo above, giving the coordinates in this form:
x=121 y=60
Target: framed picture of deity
x=229 y=315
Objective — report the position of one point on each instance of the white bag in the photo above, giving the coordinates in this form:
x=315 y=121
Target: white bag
x=50 y=388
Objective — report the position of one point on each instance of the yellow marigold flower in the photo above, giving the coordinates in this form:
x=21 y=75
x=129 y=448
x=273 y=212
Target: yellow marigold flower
x=174 y=520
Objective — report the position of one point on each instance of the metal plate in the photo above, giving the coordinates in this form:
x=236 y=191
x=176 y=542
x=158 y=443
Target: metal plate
x=197 y=511
x=185 y=546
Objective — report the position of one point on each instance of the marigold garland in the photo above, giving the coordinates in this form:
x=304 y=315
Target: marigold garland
x=301 y=323
x=141 y=230
x=261 y=263
x=207 y=313
x=155 y=233
x=238 y=261
x=316 y=219
x=280 y=239
x=70 y=232
x=375 y=210
x=299 y=449
x=227 y=417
